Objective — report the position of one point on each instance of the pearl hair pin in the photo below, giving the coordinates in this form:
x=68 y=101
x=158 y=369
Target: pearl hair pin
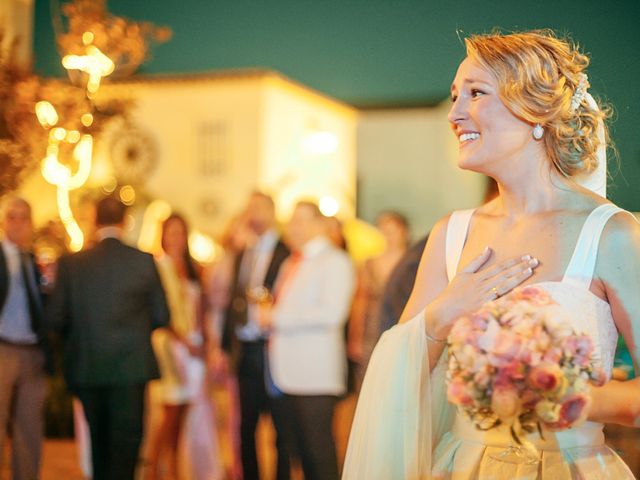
x=580 y=93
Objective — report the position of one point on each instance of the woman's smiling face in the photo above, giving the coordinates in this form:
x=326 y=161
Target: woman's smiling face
x=489 y=134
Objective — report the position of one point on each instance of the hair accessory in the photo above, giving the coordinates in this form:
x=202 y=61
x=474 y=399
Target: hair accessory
x=538 y=131
x=596 y=180
x=580 y=92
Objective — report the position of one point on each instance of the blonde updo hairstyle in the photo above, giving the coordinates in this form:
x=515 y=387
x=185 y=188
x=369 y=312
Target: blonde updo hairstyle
x=537 y=75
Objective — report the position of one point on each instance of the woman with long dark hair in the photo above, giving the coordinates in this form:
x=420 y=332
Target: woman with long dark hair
x=180 y=353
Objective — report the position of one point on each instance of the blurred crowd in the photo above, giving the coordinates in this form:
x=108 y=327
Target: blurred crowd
x=284 y=322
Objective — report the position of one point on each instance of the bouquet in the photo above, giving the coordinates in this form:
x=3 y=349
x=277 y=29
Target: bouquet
x=518 y=361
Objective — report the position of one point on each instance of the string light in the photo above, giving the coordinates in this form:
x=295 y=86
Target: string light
x=87 y=119
x=97 y=66
x=329 y=206
x=46 y=113
x=94 y=63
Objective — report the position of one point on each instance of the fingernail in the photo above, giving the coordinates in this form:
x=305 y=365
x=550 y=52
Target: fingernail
x=528 y=271
x=486 y=249
x=533 y=262
x=526 y=257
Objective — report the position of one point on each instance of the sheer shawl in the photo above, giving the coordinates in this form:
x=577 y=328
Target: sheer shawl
x=402 y=411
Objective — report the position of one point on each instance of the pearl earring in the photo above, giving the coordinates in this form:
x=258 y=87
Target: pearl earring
x=538 y=131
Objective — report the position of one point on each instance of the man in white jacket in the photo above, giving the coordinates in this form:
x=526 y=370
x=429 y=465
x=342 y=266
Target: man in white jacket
x=307 y=359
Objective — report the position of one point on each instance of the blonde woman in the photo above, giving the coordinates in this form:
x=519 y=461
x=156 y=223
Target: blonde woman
x=523 y=116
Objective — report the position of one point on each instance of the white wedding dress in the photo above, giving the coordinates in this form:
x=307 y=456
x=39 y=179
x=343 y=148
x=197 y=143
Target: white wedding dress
x=405 y=429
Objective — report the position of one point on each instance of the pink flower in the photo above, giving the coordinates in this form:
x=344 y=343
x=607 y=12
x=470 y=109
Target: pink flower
x=457 y=392
x=529 y=398
x=575 y=407
x=529 y=356
x=574 y=410
x=461 y=332
x=534 y=295
x=514 y=370
x=553 y=355
x=505 y=349
x=482 y=378
x=507 y=344
x=545 y=377
x=579 y=348
x=505 y=401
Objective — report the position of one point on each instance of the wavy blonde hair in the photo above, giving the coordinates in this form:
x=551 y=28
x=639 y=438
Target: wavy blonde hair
x=537 y=75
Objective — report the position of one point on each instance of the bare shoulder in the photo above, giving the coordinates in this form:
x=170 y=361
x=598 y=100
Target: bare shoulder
x=622 y=229
x=619 y=247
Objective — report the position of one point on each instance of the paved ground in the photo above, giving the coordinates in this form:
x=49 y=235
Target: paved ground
x=60 y=459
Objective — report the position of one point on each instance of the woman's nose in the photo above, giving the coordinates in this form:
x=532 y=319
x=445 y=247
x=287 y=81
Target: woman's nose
x=457 y=111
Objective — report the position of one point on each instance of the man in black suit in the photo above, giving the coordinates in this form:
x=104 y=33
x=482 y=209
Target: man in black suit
x=399 y=285
x=105 y=304
x=256 y=269
x=22 y=357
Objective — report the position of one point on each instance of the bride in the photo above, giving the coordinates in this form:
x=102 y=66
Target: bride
x=522 y=114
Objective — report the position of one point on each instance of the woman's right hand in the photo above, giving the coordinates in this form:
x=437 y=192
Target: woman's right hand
x=472 y=288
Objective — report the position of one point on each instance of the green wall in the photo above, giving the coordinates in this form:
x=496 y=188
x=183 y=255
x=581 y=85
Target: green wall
x=385 y=53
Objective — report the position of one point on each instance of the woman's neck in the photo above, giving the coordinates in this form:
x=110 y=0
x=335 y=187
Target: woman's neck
x=537 y=190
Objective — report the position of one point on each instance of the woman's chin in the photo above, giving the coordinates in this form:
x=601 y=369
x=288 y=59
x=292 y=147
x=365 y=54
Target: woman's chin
x=473 y=165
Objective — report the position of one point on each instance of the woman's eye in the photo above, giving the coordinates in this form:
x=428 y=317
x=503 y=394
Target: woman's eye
x=476 y=93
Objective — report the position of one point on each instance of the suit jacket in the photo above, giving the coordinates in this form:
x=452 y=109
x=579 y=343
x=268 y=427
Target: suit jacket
x=236 y=314
x=306 y=346
x=106 y=302
x=399 y=286
x=36 y=313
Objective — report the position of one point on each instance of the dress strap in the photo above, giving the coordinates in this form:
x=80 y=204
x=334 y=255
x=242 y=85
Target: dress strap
x=583 y=261
x=457 y=230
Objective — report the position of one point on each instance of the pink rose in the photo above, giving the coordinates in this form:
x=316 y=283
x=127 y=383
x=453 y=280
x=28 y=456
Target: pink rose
x=505 y=401
x=545 y=377
x=529 y=398
x=514 y=370
x=573 y=410
x=506 y=349
x=507 y=344
x=457 y=392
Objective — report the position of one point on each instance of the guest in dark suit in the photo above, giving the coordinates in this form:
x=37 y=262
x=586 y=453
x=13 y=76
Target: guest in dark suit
x=256 y=269
x=399 y=285
x=22 y=357
x=105 y=304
